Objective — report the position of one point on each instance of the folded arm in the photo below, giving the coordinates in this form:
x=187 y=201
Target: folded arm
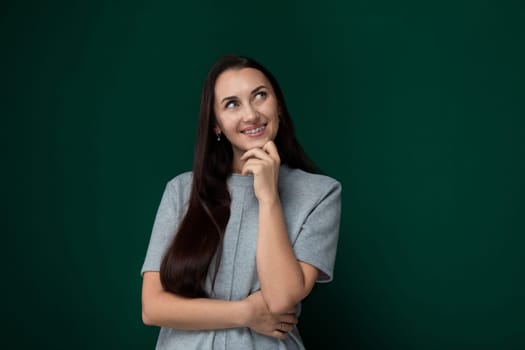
x=165 y=309
x=284 y=280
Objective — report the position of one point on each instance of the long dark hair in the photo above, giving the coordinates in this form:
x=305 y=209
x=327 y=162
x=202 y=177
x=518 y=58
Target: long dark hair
x=199 y=238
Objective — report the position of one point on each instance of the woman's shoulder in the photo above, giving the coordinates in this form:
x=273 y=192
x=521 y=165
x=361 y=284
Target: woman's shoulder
x=182 y=178
x=181 y=183
x=305 y=181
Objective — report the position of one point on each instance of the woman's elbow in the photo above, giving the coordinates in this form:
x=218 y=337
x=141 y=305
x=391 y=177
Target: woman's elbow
x=285 y=303
x=148 y=314
x=282 y=305
x=145 y=319
x=151 y=299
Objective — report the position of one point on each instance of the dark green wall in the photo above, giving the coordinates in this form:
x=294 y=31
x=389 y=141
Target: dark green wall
x=416 y=107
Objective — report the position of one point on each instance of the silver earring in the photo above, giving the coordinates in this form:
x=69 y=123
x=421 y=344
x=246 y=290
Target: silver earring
x=218 y=136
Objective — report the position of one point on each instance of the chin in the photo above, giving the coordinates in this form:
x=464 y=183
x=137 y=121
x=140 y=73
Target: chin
x=260 y=143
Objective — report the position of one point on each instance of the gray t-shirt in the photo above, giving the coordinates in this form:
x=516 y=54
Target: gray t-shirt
x=312 y=206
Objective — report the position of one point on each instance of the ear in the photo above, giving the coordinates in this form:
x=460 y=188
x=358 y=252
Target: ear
x=216 y=129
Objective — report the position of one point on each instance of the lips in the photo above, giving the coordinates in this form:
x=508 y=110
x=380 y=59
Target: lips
x=254 y=131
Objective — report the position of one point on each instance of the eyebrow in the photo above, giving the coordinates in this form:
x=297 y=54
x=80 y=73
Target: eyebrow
x=253 y=91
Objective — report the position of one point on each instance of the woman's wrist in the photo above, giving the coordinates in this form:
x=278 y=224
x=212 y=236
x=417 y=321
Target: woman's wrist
x=243 y=311
x=270 y=200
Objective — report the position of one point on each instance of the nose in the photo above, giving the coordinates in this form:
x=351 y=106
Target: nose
x=250 y=114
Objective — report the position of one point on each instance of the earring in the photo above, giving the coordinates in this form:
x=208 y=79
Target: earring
x=219 y=136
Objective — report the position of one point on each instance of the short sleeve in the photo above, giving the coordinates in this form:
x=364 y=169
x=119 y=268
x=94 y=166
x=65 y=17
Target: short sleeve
x=316 y=243
x=164 y=227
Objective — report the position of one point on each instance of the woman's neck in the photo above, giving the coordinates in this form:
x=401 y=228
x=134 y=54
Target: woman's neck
x=237 y=164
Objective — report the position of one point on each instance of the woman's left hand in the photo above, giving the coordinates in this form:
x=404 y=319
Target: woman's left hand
x=264 y=164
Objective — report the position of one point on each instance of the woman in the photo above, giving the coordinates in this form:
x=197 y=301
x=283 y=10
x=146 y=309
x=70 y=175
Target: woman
x=241 y=240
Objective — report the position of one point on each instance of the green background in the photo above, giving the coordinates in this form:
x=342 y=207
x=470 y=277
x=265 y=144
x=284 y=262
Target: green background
x=416 y=107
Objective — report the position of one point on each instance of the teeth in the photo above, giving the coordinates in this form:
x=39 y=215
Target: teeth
x=254 y=131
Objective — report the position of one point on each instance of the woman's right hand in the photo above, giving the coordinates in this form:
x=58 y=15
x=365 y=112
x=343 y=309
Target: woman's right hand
x=264 y=322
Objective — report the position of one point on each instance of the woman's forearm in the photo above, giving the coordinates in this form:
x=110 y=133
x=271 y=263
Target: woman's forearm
x=280 y=274
x=164 y=309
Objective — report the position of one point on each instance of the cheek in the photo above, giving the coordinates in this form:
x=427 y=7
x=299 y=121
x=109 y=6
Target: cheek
x=271 y=111
x=275 y=129
x=221 y=120
x=228 y=126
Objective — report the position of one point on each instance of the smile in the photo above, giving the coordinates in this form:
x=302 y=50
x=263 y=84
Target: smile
x=254 y=131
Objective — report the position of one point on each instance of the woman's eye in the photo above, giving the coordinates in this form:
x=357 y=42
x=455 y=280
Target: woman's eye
x=260 y=95
x=231 y=104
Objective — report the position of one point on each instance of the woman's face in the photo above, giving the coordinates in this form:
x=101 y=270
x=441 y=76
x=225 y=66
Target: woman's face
x=246 y=109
